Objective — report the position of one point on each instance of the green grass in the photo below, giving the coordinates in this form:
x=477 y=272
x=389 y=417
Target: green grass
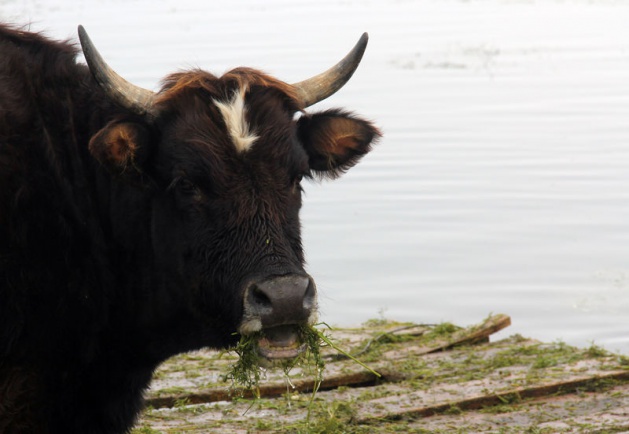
x=245 y=374
x=516 y=360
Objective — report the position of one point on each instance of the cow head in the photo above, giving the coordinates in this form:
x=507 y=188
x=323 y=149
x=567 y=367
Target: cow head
x=226 y=156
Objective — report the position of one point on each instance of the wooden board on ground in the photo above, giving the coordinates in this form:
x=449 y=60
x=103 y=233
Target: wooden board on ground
x=438 y=378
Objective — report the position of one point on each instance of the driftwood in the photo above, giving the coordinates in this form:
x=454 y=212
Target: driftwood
x=429 y=378
x=477 y=396
x=359 y=377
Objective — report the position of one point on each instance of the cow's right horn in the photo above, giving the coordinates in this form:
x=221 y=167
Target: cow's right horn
x=130 y=96
x=323 y=85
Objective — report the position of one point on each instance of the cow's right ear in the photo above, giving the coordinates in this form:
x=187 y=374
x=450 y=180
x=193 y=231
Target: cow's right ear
x=121 y=147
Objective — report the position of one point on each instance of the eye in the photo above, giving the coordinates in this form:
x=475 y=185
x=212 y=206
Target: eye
x=297 y=180
x=187 y=187
x=297 y=183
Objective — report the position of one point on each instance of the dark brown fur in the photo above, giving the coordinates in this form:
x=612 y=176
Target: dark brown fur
x=125 y=240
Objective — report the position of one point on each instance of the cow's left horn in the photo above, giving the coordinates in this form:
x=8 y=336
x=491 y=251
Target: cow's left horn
x=321 y=86
x=130 y=96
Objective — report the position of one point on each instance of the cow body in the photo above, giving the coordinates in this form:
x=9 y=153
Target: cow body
x=127 y=237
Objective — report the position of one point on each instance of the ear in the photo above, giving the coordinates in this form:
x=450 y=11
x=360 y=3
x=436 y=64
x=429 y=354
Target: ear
x=335 y=141
x=121 y=147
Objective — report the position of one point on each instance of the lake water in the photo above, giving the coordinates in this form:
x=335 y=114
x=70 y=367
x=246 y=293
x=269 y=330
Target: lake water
x=502 y=181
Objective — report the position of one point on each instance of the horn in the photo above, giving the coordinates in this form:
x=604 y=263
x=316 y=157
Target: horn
x=321 y=86
x=127 y=95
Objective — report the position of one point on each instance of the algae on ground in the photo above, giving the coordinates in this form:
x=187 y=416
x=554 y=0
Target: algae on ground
x=510 y=360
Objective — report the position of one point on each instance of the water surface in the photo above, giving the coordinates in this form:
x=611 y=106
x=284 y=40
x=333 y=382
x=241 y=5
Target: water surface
x=502 y=181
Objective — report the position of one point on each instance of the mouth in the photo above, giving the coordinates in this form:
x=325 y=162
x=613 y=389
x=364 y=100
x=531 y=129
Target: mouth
x=280 y=343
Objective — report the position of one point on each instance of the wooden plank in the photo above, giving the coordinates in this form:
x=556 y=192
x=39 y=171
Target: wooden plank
x=600 y=411
x=337 y=374
x=468 y=336
x=584 y=412
x=268 y=390
x=439 y=400
x=513 y=385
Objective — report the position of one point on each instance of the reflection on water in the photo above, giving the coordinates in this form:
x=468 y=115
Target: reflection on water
x=502 y=182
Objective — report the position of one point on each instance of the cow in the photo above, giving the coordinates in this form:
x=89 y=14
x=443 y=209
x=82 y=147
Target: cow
x=136 y=225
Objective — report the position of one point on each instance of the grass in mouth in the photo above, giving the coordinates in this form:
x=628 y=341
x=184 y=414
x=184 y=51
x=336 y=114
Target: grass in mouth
x=246 y=373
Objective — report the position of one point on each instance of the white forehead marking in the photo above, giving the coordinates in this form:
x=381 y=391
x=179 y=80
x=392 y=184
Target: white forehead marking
x=234 y=113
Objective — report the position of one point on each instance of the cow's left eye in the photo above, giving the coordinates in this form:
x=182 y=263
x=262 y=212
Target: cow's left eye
x=297 y=183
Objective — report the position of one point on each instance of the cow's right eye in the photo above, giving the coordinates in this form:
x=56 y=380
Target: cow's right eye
x=187 y=187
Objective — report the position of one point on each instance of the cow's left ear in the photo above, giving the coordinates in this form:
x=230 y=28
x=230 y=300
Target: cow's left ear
x=121 y=147
x=335 y=141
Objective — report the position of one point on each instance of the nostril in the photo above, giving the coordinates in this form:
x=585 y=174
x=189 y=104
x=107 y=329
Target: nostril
x=259 y=299
x=310 y=296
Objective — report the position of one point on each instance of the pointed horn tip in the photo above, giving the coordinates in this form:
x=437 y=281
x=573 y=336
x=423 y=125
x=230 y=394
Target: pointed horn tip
x=320 y=87
x=84 y=39
x=119 y=90
x=361 y=45
x=82 y=33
